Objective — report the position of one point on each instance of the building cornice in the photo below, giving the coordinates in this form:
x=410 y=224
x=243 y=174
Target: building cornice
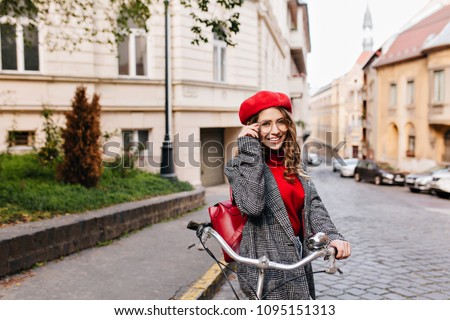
x=61 y=108
x=396 y=62
x=134 y=81
x=214 y=85
x=436 y=48
x=50 y=78
x=181 y=108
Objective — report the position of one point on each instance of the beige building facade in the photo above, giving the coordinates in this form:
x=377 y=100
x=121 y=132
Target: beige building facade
x=370 y=107
x=413 y=113
x=208 y=84
x=336 y=111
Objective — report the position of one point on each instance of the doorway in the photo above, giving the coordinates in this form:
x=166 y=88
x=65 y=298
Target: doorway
x=212 y=155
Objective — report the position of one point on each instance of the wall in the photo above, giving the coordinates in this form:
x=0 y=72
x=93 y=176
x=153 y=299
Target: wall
x=261 y=60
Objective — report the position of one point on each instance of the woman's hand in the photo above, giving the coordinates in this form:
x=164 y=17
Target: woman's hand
x=342 y=247
x=250 y=131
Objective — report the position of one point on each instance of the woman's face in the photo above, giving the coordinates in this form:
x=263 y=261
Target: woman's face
x=273 y=128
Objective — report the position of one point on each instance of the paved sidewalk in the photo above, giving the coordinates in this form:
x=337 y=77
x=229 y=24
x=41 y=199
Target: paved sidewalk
x=153 y=263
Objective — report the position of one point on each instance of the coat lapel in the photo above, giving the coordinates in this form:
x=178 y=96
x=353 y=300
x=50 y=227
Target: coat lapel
x=305 y=211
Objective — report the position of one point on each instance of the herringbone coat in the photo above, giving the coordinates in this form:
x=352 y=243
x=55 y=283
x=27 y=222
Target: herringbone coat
x=268 y=230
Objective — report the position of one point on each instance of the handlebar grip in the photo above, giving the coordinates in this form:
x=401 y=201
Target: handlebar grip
x=193 y=225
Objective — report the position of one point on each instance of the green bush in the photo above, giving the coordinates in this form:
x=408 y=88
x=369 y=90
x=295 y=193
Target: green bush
x=29 y=191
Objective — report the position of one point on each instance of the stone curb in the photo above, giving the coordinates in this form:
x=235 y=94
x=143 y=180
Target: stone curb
x=24 y=245
x=207 y=285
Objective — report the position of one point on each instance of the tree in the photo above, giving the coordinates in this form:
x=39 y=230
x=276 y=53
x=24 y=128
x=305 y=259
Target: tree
x=82 y=156
x=59 y=16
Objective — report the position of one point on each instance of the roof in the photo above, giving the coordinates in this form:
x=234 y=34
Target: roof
x=372 y=58
x=363 y=57
x=410 y=43
x=441 y=40
x=321 y=90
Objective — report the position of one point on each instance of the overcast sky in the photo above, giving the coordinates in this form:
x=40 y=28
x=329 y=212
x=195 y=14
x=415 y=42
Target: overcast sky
x=336 y=32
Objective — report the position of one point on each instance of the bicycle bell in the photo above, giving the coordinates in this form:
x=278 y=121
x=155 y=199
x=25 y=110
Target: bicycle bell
x=317 y=241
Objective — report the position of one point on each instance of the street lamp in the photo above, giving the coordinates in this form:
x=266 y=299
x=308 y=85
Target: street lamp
x=167 y=164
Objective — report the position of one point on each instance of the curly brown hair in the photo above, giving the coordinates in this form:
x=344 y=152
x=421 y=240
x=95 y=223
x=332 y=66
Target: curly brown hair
x=291 y=148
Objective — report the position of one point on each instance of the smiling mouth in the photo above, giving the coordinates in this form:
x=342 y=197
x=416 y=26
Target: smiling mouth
x=275 y=140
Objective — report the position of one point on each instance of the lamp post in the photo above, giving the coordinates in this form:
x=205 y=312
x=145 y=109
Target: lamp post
x=167 y=164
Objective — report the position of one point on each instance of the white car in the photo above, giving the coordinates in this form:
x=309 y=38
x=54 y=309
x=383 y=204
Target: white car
x=441 y=184
x=335 y=165
x=421 y=182
x=348 y=169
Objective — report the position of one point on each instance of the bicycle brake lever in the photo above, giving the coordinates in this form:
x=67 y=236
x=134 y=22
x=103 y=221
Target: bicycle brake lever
x=332 y=270
x=202 y=236
x=332 y=259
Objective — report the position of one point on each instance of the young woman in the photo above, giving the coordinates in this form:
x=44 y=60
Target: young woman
x=270 y=185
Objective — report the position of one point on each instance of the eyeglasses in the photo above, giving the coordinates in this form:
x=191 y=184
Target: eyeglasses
x=282 y=125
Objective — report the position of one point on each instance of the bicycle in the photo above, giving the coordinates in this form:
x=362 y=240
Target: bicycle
x=317 y=244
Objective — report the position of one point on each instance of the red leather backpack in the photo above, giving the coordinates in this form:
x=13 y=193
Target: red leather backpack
x=227 y=220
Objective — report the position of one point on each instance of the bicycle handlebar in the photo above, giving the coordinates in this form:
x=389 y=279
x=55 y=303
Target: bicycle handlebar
x=205 y=229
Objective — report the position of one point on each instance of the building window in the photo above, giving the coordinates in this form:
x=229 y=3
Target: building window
x=219 y=60
x=411 y=143
x=134 y=53
x=393 y=95
x=20 y=138
x=438 y=94
x=19 y=45
x=135 y=138
x=410 y=92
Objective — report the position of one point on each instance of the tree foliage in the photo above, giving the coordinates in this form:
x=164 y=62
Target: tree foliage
x=108 y=21
x=51 y=151
x=82 y=156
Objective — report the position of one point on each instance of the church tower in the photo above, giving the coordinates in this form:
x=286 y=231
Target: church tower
x=367 y=30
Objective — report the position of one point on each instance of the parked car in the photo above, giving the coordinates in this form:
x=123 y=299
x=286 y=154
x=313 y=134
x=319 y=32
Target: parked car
x=378 y=172
x=440 y=184
x=335 y=165
x=313 y=159
x=421 y=182
x=348 y=170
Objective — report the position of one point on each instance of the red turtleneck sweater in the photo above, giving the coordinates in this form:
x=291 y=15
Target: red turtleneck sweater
x=293 y=194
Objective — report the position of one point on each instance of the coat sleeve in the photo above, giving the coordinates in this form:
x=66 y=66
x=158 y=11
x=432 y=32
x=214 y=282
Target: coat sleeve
x=245 y=175
x=320 y=220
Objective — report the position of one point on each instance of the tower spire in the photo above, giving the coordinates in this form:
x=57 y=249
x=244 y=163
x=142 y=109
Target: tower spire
x=367 y=30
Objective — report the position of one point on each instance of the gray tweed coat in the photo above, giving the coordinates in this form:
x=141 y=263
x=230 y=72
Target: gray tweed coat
x=268 y=230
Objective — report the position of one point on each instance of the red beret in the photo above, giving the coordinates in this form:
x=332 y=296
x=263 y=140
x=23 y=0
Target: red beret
x=263 y=100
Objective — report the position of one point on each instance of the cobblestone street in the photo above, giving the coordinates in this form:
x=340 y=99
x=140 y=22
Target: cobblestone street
x=400 y=242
